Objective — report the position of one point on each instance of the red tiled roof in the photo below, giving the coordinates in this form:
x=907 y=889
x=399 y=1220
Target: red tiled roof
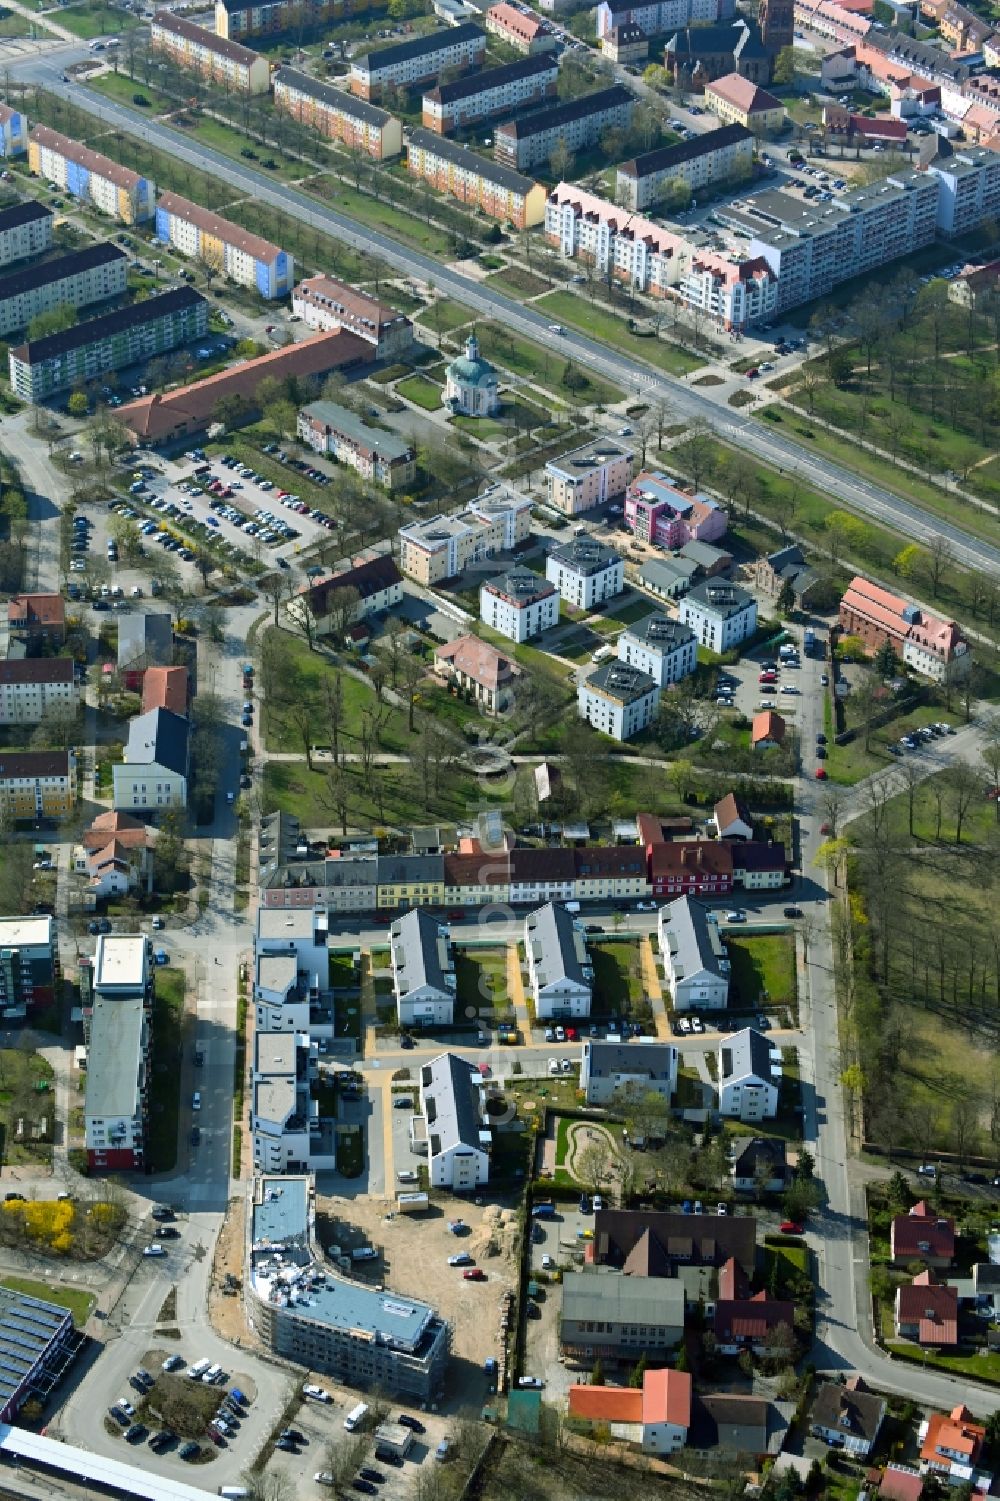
x=932 y=1306
x=479 y=661
x=693 y=857
x=606 y=1404
x=37 y=609
x=666 y=1398
x=127 y=831
x=767 y=725
x=36 y=670
x=922 y=1234
x=955 y=1431
x=742 y=94
x=165 y=688
x=901 y=1484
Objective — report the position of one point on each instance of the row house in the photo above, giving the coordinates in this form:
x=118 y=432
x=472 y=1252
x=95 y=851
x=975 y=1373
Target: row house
x=497 y=190
x=418 y=60
x=25 y=231
x=246 y=259
x=95 y=179
x=215 y=57
x=338 y=115
x=496 y=91
x=96 y=273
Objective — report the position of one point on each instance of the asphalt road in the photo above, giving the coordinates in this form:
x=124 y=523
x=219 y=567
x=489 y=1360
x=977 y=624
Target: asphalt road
x=689 y=402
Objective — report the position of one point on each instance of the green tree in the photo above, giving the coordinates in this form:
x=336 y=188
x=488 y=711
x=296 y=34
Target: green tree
x=786 y=598
x=909 y=563
x=78 y=405
x=597 y=1373
x=885 y=661
x=54 y=321
x=637 y=1372
x=784 y=66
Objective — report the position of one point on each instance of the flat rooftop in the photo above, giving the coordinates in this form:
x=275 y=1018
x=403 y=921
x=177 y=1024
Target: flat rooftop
x=25 y=932
x=120 y=962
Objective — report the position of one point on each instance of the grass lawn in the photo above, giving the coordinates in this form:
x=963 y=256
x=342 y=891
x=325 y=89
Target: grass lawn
x=168 y=1042
x=350 y=1151
x=122 y=88
x=482 y=980
x=94 y=20
x=421 y=391
x=21 y=1072
x=617 y=977
x=850 y=763
x=612 y=330
x=934 y=815
x=545 y=367
x=302 y=678
x=518 y=283
x=762 y=963
x=75 y=1299
x=984 y=1366
x=393 y=796
x=445 y=315
x=398 y=222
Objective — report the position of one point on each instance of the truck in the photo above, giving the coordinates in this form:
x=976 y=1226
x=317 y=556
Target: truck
x=809 y=643
x=356 y=1417
x=415 y=1203
x=364 y=1253
x=546 y=1210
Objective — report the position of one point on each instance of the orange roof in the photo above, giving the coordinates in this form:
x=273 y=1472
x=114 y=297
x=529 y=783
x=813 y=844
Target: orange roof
x=121 y=828
x=37 y=609
x=516 y=22
x=607 y=1404
x=666 y=1397
x=165 y=688
x=767 y=726
x=956 y=1432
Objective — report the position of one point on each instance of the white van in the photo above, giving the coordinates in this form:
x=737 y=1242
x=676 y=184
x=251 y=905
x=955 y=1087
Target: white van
x=198 y=1370
x=356 y=1417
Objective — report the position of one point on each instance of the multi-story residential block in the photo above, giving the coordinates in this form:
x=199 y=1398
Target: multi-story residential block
x=236 y=19
x=453 y=1124
x=329 y=305
x=443 y=546
x=481 y=671
x=33 y=687
x=127 y=336
x=519 y=29
x=86 y=174
x=720 y=614
x=375 y=585
x=969 y=189
x=289 y=1135
x=749 y=1077
x=694 y=956
x=39 y=620
x=848 y=1415
x=479 y=880
x=542 y=875
x=292 y=964
x=43 y=1340
x=409 y=881
x=338 y=115
x=743 y=105
x=830 y=19
x=684 y=867
x=37 y=784
x=118 y=1016
x=618 y=1317
x=617 y=699
x=215 y=57
x=723 y=155
x=953 y=1447
x=734 y=290
x=471 y=178
x=358 y=1334
x=96 y=273
x=154 y=774
x=423 y=970
x=560 y=974
x=529 y=141
x=25 y=231
x=589 y=476
x=928 y=644
x=609 y=872
x=608 y=1069
x=374 y=453
x=586 y=572
x=519 y=604
x=245 y=258
x=661 y=647
x=13 y=131
x=420 y=60
x=496 y=91
x=657 y=17
x=29 y=965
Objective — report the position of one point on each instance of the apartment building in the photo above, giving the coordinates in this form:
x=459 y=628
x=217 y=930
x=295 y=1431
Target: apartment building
x=118 y=1016
x=694 y=956
x=659 y=17
x=91 y=177
x=969 y=189
x=495 y=91
x=154 y=773
x=719 y=156
x=33 y=687
x=519 y=29
x=589 y=476
x=586 y=572
x=235 y=19
x=744 y=105
x=453 y=1124
x=215 y=57
x=657 y=511
x=443 y=546
x=529 y=141
x=423 y=970
x=661 y=647
x=733 y=289
x=374 y=453
x=29 y=964
x=420 y=60
x=519 y=604
x=244 y=258
x=608 y=1069
x=37 y=784
x=127 y=336
x=13 y=131
x=338 y=115
x=721 y=615
x=38 y=620
x=305 y=1311
x=375 y=584
x=288 y=1133
x=96 y=273
x=560 y=974
x=618 y=699
x=291 y=962
x=409 y=881
x=25 y=231
x=926 y=643
x=749 y=1077
x=463 y=174
x=329 y=305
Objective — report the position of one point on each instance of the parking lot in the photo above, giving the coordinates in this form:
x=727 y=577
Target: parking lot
x=184 y=1413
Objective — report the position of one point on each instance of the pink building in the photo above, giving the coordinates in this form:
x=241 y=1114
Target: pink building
x=657 y=512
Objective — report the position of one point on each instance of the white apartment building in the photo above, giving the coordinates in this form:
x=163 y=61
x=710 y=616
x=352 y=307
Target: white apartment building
x=519 y=604
x=96 y=273
x=589 y=476
x=423 y=970
x=288 y=1134
x=608 y=1068
x=417 y=60
x=25 y=231
x=215 y=57
x=496 y=91
x=721 y=615
x=153 y=776
x=442 y=546
x=291 y=966
x=618 y=700
x=694 y=956
x=325 y=304
x=560 y=974
x=586 y=572
x=453 y=1125
x=657 y=17
x=969 y=189
x=718 y=156
x=749 y=1077
x=660 y=646
x=13 y=131
x=32 y=688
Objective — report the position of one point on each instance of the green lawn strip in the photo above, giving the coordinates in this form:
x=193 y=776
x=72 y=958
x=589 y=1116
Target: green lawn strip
x=421 y=391
x=401 y=223
x=88 y=21
x=617 y=978
x=22 y=1073
x=851 y=763
x=545 y=367
x=983 y=1365
x=518 y=283
x=75 y=1299
x=612 y=330
x=124 y=90
x=394 y=795
x=979 y=825
x=232 y=142
x=762 y=962
x=445 y=315
x=481 y=976
x=168 y=1042
x=303 y=676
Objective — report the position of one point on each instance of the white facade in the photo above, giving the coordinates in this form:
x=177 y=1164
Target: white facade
x=423 y=971
x=24 y=236
x=74 y=280
x=694 y=957
x=584 y=583
x=748 y=1078
x=519 y=607
x=660 y=647
x=30 y=689
x=560 y=975
x=644 y=1067
x=414 y=62
x=618 y=700
x=721 y=615
x=453 y=1125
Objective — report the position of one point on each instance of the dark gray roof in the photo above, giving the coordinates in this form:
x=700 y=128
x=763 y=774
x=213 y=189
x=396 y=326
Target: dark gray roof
x=471 y=161
x=563 y=114
x=785 y=556
x=96 y=330
x=652 y=162
x=620 y=681
x=707 y=41
x=27 y=1327
x=748 y=1052
x=22 y=213
x=395 y=869
x=652 y=1058
x=416 y=953
x=418 y=46
x=493 y=78
x=558 y=946
x=659 y=632
x=585 y=555
x=44 y=273
x=147 y=638
x=161 y=737
x=340 y=99
x=719 y=597
x=858 y=1412
x=759 y=1151
x=521 y=584
x=450 y=1086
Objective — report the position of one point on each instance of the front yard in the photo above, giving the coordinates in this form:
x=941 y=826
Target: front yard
x=763 y=968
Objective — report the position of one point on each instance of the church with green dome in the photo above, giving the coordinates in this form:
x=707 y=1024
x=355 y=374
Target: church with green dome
x=471 y=384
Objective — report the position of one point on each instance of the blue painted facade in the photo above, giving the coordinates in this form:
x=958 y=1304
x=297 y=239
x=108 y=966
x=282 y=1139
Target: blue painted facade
x=77 y=180
x=14 y=131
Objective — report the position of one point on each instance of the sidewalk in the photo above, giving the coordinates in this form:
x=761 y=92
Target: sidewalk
x=515 y=989
x=653 y=986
